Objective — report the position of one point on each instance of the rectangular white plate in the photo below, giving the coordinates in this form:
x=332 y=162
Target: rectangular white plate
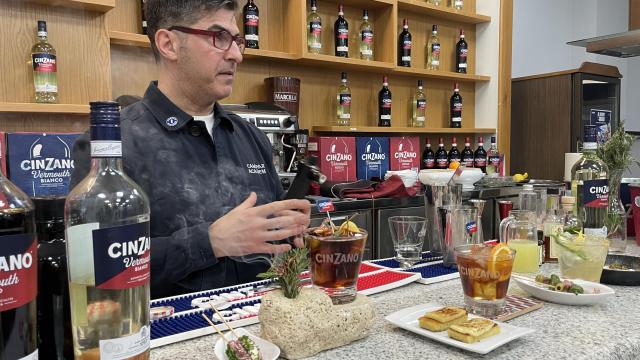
x=408 y=319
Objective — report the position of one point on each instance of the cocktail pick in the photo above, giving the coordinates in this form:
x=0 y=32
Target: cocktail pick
x=224 y=321
x=216 y=328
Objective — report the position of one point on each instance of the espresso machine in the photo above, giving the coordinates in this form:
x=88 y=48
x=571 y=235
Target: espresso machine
x=288 y=142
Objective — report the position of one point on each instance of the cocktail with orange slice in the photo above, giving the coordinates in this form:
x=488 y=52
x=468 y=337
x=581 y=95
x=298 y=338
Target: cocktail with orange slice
x=485 y=271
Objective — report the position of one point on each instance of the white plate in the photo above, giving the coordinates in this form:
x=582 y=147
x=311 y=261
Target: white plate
x=408 y=320
x=589 y=298
x=268 y=350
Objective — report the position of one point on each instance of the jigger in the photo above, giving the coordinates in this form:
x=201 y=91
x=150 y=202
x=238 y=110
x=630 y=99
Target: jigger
x=479 y=204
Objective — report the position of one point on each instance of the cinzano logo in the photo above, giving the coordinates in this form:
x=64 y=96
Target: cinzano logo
x=136 y=247
x=339 y=157
x=405 y=155
x=44 y=60
x=373 y=157
x=16 y=262
x=46 y=164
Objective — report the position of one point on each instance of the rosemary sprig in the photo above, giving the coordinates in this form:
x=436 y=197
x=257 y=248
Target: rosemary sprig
x=616 y=152
x=286 y=269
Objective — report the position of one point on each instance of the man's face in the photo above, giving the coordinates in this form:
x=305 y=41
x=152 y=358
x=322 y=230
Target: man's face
x=205 y=68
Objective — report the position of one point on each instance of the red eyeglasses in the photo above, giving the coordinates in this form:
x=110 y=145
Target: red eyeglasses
x=221 y=39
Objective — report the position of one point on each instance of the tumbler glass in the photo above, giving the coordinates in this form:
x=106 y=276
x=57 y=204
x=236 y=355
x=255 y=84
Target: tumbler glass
x=407 y=233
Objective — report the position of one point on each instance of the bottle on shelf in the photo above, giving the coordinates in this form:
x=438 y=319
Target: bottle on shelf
x=404 y=45
x=54 y=313
x=343 y=116
x=428 y=157
x=457 y=4
x=455 y=104
x=366 y=37
x=143 y=17
x=251 y=19
x=18 y=243
x=433 y=49
x=384 y=104
x=341 y=34
x=314 y=30
x=418 y=106
x=43 y=57
x=590 y=186
x=108 y=249
x=480 y=156
x=442 y=158
x=493 y=158
x=462 y=51
x=552 y=224
x=467 y=156
x=454 y=153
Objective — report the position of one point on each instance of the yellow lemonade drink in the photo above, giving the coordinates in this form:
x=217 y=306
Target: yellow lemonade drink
x=527 y=255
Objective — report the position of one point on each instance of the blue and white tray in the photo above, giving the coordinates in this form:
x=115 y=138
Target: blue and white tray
x=431 y=269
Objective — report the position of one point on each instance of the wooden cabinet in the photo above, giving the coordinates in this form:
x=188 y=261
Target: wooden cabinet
x=102 y=55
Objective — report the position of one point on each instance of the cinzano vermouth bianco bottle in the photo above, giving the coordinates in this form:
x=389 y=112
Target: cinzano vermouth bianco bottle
x=43 y=59
x=108 y=251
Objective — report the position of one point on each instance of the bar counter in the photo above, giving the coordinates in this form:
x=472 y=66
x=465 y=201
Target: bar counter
x=605 y=331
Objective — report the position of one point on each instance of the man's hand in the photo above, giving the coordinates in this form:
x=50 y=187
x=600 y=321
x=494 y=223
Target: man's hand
x=247 y=228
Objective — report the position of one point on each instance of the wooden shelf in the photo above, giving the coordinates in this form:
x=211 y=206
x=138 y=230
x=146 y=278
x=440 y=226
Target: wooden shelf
x=268 y=54
x=364 y=4
x=438 y=74
x=342 y=63
x=128 y=39
x=443 y=12
x=399 y=130
x=44 y=108
x=93 y=5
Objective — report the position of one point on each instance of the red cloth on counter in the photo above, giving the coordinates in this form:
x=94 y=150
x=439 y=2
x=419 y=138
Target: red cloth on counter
x=392 y=187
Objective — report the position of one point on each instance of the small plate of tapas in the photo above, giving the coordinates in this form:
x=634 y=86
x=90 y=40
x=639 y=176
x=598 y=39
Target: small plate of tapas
x=564 y=291
x=455 y=327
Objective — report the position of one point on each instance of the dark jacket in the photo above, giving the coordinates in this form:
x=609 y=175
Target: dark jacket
x=191 y=180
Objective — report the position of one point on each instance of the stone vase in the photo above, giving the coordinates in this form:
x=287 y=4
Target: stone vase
x=310 y=323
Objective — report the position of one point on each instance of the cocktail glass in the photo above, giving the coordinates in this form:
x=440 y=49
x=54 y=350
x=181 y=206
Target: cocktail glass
x=334 y=263
x=581 y=259
x=485 y=271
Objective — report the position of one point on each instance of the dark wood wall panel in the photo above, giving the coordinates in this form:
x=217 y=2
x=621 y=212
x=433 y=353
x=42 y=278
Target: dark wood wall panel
x=541 y=126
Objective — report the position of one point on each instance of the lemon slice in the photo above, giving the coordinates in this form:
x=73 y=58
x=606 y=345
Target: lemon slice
x=348 y=227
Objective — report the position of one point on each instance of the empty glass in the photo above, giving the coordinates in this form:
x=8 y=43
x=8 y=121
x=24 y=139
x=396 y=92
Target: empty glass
x=407 y=233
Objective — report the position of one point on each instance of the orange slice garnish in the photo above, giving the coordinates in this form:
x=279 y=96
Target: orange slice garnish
x=499 y=253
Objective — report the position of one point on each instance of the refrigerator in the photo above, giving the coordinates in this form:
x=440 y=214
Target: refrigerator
x=549 y=111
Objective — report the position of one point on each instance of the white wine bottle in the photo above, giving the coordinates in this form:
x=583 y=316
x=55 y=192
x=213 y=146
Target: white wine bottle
x=108 y=251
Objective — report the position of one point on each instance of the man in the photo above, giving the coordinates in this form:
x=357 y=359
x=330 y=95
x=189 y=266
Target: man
x=211 y=183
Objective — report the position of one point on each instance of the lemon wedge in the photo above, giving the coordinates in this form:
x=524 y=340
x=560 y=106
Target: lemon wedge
x=348 y=227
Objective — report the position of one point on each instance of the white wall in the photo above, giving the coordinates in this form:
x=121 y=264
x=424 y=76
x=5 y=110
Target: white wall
x=541 y=29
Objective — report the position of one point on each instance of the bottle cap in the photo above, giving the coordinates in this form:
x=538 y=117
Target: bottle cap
x=461 y=33
x=365 y=14
x=454 y=141
x=434 y=28
x=456 y=87
x=480 y=140
x=385 y=80
x=405 y=23
x=343 y=75
x=42 y=25
x=340 y=9
x=493 y=139
x=105 y=120
x=420 y=83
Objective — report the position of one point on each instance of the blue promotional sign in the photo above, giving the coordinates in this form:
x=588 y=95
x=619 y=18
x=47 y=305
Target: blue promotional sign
x=372 y=157
x=40 y=164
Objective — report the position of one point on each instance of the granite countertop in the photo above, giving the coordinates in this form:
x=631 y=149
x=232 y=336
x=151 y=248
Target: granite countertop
x=605 y=331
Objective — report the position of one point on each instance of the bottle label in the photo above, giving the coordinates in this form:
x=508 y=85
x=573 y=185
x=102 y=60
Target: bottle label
x=343 y=33
x=457 y=3
x=342 y=48
x=421 y=104
x=251 y=20
x=442 y=162
x=121 y=256
x=18 y=270
x=105 y=148
x=385 y=117
x=457 y=106
x=315 y=28
x=462 y=62
x=44 y=63
x=406 y=58
x=494 y=160
x=367 y=52
x=386 y=103
x=595 y=193
x=367 y=36
x=406 y=44
x=435 y=50
x=480 y=162
x=251 y=37
x=345 y=99
x=345 y=116
x=126 y=346
x=429 y=163
x=32 y=356
x=467 y=161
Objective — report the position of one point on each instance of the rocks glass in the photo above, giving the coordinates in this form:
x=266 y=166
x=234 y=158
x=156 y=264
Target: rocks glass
x=407 y=234
x=334 y=263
